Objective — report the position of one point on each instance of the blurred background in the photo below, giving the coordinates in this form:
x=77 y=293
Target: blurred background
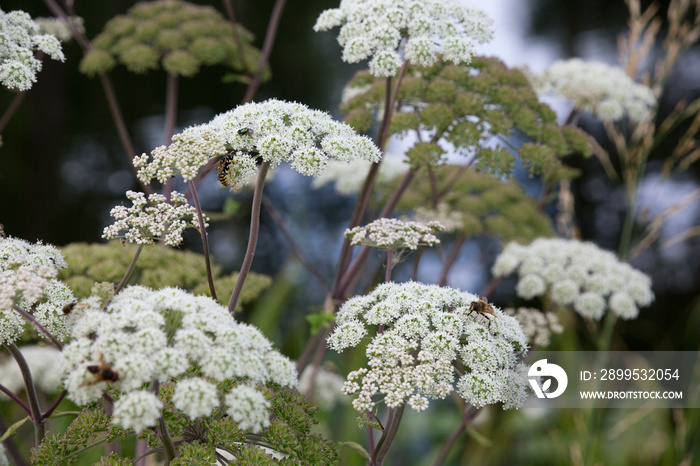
x=62 y=168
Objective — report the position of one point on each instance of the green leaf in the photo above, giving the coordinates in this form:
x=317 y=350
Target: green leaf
x=13 y=428
x=356 y=447
x=320 y=321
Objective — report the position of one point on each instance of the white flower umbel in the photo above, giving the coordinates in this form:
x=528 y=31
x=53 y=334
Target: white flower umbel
x=19 y=39
x=597 y=87
x=421 y=28
x=149 y=219
x=189 y=151
x=146 y=335
x=272 y=131
x=537 y=325
x=392 y=233
x=137 y=411
x=248 y=407
x=577 y=274
x=425 y=330
x=27 y=274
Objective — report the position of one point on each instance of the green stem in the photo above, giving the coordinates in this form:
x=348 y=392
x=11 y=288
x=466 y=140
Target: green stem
x=129 y=270
x=626 y=236
x=363 y=198
x=451 y=259
x=12 y=395
x=32 y=320
x=389 y=260
x=252 y=237
x=32 y=399
x=168 y=444
x=205 y=241
x=270 y=35
x=390 y=430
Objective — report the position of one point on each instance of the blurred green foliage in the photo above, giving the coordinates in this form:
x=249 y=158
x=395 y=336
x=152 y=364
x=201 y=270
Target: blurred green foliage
x=157 y=267
x=466 y=106
x=178 y=36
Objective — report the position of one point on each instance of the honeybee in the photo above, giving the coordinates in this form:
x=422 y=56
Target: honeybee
x=483 y=308
x=70 y=307
x=101 y=371
x=226 y=171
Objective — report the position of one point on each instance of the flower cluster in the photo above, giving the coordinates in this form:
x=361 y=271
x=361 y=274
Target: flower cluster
x=146 y=336
x=392 y=233
x=149 y=219
x=425 y=329
x=423 y=28
x=188 y=152
x=27 y=274
x=19 y=39
x=273 y=131
x=176 y=35
x=578 y=274
x=597 y=87
x=537 y=326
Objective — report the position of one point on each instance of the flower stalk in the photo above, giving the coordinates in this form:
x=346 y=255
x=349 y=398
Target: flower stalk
x=252 y=237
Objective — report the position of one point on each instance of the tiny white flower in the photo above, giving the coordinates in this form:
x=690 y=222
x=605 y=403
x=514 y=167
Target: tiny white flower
x=137 y=411
x=248 y=407
x=195 y=397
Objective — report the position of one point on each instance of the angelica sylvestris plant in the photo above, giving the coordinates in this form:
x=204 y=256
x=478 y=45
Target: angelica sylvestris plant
x=167 y=350
x=19 y=39
x=28 y=288
x=392 y=233
x=576 y=274
x=419 y=336
x=392 y=31
x=150 y=218
x=468 y=110
x=273 y=130
x=596 y=87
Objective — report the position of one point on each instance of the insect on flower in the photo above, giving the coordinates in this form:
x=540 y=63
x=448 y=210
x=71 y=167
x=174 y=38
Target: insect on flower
x=245 y=132
x=227 y=171
x=483 y=308
x=70 y=307
x=102 y=371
